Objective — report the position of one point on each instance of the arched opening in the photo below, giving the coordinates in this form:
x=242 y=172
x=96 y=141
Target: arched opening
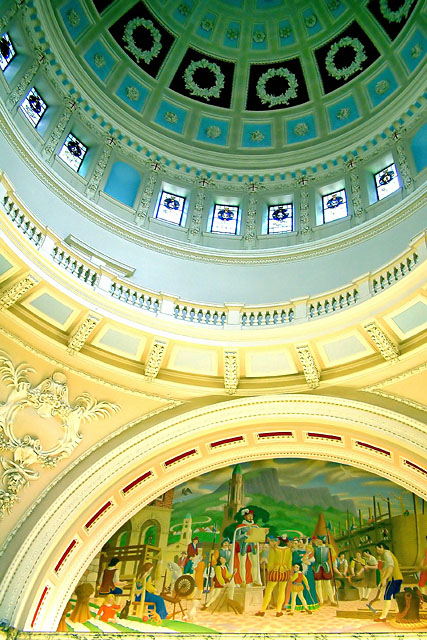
x=294 y=426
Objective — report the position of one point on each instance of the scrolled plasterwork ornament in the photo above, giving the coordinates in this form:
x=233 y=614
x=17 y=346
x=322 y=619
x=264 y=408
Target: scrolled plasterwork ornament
x=82 y=333
x=146 y=55
x=23 y=85
x=382 y=87
x=301 y=129
x=207 y=24
x=285 y=32
x=388 y=349
x=343 y=114
x=101 y=165
x=310 y=370
x=153 y=364
x=231 y=372
x=211 y=92
x=58 y=132
x=353 y=67
x=171 y=116
x=416 y=50
x=257 y=136
x=49 y=399
x=213 y=132
x=282 y=98
x=232 y=34
x=356 y=195
x=14 y=293
x=144 y=205
x=99 y=60
x=196 y=219
x=395 y=15
x=73 y=18
x=304 y=206
x=259 y=36
x=405 y=172
x=10 y=13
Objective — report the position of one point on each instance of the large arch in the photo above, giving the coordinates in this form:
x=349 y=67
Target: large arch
x=75 y=518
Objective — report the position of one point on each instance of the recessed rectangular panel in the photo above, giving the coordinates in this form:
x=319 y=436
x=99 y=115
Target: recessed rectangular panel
x=194 y=361
x=412 y=318
x=4 y=265
x=52 y=308
x=345 y=349
x=269 y=363
x=120 y=341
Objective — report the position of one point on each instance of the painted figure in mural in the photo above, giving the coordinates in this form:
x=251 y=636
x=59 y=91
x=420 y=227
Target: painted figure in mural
x=279 y=568
x=225 y=552
x=357 y=572
x=341 y=566
x=222 y=577
x=110 y=582
x=423 y=573
x=299 y=583
x=192 y=552
x=322 y=569
x=108 y=610
x=182 y=559
x=144 y=585
x=246 y=554
x=391 y=578
x=370 y=573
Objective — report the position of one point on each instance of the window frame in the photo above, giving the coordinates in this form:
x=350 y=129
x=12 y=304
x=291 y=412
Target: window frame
x=392 y=164
x=2 y=35
x=280 y=204
x=175 y=195
x=218 y=206
x=70 y=133
x=33 y=89
x=328 y=195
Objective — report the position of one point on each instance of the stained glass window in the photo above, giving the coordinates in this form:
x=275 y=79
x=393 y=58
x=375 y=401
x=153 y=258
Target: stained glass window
x=387 y=181
x=170 y=208
x=334 y=206
x=280 y=218
x=33 y=107
x=7 y=52
x=73 y=152
x=225 y=219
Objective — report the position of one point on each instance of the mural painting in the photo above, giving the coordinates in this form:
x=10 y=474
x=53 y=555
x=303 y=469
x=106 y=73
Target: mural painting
x=285 y=545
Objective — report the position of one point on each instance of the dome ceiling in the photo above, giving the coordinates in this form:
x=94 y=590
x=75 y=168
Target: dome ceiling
x=241 y=77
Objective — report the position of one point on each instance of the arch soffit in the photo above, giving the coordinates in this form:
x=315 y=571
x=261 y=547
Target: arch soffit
x=130 y=475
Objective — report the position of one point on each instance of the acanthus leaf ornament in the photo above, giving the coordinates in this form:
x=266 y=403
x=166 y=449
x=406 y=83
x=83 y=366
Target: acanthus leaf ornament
x=48 y=399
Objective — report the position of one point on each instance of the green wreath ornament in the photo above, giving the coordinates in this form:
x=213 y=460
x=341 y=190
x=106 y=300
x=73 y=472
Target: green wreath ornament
x=148 y=54
x=356 y=65
x=193 y=87
x=282 y=98
x=398 y=14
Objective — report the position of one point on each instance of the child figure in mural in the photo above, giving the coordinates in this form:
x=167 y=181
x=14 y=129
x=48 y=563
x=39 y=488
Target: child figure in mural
x=246 y=559
x=299 y=583
x=143 y=578
x=192 y=552
x=107 y=612
x=110 y=582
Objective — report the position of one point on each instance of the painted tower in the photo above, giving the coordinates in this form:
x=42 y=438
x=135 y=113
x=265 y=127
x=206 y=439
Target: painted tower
x=186 y=531
x=236 y=497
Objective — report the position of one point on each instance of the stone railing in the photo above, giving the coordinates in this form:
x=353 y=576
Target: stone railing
x=104 y=281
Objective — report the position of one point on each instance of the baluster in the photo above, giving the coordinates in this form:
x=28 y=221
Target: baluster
x=311 y=311
x=415 y=257
x=176 y=312
x=267 y=318
x=148 y=304
x=184 y=313
x=223 y=318
x=259 y=319
x=244 y=319
x=207 y=316
x=252 y=319
x=192 y=314
x=199 y=315
x=388 y=278
x=291 y=315
x=327 y=306
x=355 y=295
x=156 y=306
x=283 y=316
x=215 y=317
x=319 y=308
x=275 y=317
